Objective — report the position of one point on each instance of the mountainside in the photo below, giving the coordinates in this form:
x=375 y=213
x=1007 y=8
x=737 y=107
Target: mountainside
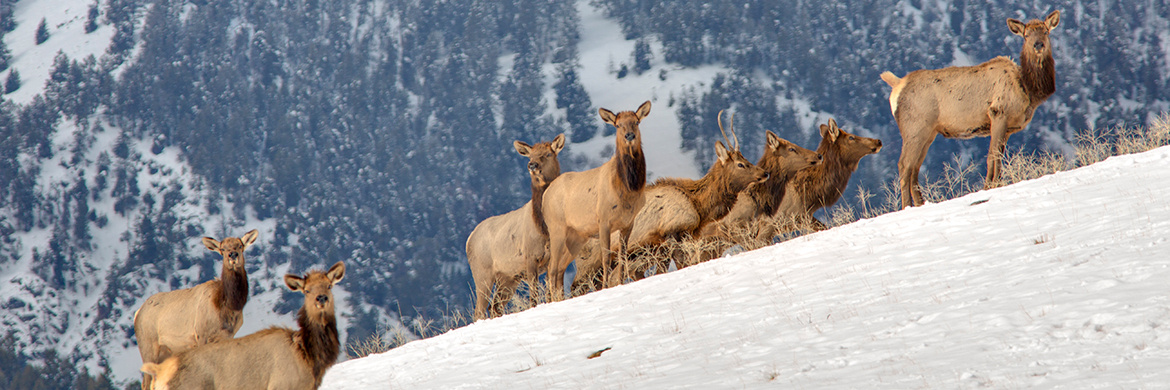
x=1057 y=282
x=378 y=132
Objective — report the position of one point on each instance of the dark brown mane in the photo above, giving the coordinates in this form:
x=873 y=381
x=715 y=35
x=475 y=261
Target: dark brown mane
x=538 y=206
x=1037 y=76
x=232 y=291
x=317 y=342
x=769 y=193
x=631 y=170
x=833 y=173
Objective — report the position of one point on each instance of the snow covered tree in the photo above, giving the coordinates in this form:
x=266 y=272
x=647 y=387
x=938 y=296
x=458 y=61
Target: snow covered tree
x=12 y=83
x=42 y=32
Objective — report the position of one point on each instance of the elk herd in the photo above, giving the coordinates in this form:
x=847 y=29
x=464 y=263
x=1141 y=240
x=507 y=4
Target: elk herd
x=595 y=218
x=186 y=336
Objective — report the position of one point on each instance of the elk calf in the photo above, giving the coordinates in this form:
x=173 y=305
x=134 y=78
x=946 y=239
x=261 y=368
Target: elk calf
x=506 y=248
x=175 y=321
x=821 y=186
x=996 y=98
x=274 y=358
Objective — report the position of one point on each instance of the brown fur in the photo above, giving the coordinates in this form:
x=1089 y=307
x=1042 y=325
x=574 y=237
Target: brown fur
x=996 y=99
x=781 y=160
x=172 y=322
x=504 y=249
x=274 y=358
x=821 y=185
x=596 y=202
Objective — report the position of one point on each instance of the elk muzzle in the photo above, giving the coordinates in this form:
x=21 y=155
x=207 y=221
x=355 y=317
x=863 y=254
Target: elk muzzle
x=630 y=136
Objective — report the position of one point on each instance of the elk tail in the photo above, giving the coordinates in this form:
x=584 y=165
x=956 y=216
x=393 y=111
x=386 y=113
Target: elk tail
x=890 y=79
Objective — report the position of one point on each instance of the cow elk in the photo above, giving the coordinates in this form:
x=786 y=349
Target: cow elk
x=273 y=358
x=996 y=98
x=821 y=186
x=596 y=202
x=172 y=322
x=504 y=249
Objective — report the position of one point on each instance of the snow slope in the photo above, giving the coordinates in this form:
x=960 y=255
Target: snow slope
x=1054 y=282
x=65 y=20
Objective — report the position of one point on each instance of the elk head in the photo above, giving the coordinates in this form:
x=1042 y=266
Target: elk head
x=232 y=249
x=849 y=147
x=543 y=165
x=740 y=171
x=781 y=152
x=629 y=138
x=318 y=289
x=1036 y=63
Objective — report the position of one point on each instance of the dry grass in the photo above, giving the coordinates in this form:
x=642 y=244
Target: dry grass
x=957 y=179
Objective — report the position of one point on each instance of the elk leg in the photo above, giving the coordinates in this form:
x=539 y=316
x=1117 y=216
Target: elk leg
x=995 y=151
x=914 y=147
x=482 y=291
x=558 y=253
x=601 y=255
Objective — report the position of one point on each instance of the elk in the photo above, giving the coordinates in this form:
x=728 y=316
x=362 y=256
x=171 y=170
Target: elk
x=781 y=160
x=175 y=321
x=506 y=248
x=598 y=201
x=273 y=358
x=821 y=185
x=996 y=98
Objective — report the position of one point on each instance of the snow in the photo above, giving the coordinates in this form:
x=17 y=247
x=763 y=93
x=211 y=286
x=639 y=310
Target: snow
x=1053 y=282
x=65 y=20
x=604 y=49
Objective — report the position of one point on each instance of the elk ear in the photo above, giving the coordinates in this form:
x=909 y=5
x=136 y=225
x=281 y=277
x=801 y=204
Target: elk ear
x=522 y=148
x=773 y=140
x=643 y=110
x=558 y=143
x=211 y=244
x=828 y=133
x=721 y=151
x=336 y=272
x=250 y=237
x=834 y=129
x=294 y=283
x=1053 y=19
x=1016 y=26
x=607 y=116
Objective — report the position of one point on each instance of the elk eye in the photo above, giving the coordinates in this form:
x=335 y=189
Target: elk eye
x=742 y=166
x=793 y=150
x=852 y=138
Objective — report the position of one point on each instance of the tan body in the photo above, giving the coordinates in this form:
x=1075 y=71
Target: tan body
x=781 y=160
x=175 y=321
x=507 y=248
x=996 y=98
x=597 y=202
x=821 y=186
x=274 y=358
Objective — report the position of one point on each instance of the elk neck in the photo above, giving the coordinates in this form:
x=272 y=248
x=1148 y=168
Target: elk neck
x=768 y=194
x=1037 y=75
x=233 y=289
x=317 y=341
x=538 y=207
x=630 y=177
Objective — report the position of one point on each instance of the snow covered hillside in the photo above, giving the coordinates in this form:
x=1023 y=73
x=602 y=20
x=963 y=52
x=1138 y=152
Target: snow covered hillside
x=1059 y=281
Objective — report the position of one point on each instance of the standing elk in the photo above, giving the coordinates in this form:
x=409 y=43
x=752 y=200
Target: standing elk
x=996 y=98
x=172 y=322
x=273 y=358
x=821 y=186
x=506 y=248
x=599 y=201
x=781 y=160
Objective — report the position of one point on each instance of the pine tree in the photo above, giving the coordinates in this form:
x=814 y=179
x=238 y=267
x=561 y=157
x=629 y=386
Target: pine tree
x=13 y=82
x=42 y=32
x=91 y=18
